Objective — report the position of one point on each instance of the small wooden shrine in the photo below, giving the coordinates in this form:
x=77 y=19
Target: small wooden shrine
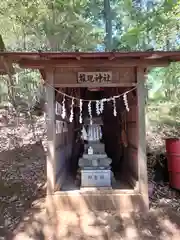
x=109 y=86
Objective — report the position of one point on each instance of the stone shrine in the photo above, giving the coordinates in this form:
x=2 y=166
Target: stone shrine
x=94 y=164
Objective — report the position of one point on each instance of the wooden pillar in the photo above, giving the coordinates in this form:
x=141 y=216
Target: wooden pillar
x=142 y=160
x=51 y=132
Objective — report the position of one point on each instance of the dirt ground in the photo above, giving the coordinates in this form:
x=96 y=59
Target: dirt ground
x=162 y=223
x=22 y=203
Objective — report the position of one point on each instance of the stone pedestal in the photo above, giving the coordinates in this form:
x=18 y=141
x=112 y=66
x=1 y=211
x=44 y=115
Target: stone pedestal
x=94 y=164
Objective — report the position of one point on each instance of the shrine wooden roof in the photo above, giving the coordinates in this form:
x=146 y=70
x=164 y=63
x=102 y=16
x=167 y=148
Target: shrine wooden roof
x=41 y=60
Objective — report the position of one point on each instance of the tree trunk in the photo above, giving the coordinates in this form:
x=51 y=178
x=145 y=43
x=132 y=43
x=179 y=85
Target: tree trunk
x=108 y=25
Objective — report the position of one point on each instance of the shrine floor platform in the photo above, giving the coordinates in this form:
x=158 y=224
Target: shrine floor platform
x=97 y=200
x=121 y=197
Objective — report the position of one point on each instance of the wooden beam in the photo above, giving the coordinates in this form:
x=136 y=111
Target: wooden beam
x=142 y=161
x=51 y=133
x=66 y=63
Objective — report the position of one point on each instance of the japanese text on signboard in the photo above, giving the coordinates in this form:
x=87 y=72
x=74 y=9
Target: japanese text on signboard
x=94 y=77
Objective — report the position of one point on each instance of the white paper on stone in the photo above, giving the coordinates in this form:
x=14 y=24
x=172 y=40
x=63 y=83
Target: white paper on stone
x=90 y=151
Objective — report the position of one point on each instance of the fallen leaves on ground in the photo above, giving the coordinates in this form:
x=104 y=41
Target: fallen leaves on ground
x=22 y=167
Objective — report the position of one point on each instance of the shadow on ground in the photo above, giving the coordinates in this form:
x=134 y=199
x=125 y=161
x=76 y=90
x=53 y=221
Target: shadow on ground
x=55 y=224
x=22 y=181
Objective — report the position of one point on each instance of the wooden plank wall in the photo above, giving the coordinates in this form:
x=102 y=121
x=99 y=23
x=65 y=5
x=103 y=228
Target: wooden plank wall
x=132 y=134
x=64 y=141
x=131 y=118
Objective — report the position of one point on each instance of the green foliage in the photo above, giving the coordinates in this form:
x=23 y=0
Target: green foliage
x=57 y=25
x=164 y=95
x=79 y=24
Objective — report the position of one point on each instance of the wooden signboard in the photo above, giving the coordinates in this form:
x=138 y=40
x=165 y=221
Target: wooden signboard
x=94 y=77
x=79 y=77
